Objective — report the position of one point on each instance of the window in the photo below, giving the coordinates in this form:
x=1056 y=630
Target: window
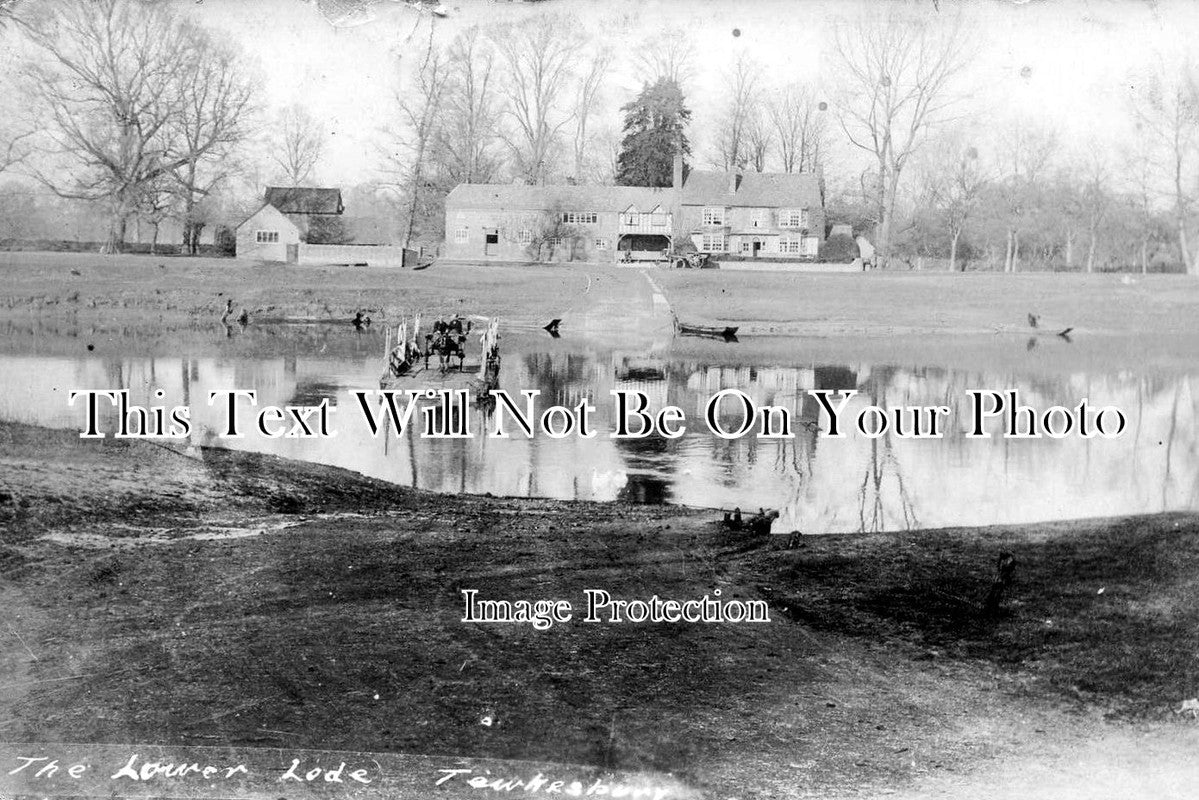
x=713 y=215
x=266 y=237
x=789 y=245
x=712 y=243
x=554 y=241
x=524 y=236
x=746 y=246
x=460 y=236
x=580 y=217
x=658 y=220
x=793 y=218
x=601 y=244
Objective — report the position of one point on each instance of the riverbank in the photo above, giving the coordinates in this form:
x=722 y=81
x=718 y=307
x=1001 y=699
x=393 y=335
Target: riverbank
x=58 y=304
x=941 y=303
x=153 y=291
x=211 y=597
x=148 y=291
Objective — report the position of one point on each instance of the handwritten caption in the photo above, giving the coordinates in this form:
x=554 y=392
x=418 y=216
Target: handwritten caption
x=223 y=772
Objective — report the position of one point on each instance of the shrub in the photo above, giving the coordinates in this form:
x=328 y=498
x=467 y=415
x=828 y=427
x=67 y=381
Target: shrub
x=328 y=229
x=838 y=249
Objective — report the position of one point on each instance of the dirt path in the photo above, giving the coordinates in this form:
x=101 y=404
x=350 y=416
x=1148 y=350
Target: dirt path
x=618 y=303
x=1081 y=759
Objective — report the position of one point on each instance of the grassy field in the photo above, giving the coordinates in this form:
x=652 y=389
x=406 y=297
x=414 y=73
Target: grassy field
x=249 y=600
x=149 y=290
x=944 y=303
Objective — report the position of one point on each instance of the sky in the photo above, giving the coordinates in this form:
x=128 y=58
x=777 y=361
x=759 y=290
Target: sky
x=1068 y=64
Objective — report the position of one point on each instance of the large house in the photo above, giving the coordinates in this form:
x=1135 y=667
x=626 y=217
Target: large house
x=751 y=214
x=514 y=222
x=275 y=230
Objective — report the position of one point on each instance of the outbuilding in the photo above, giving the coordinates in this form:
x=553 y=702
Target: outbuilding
x=269 y=235
x=288 y=216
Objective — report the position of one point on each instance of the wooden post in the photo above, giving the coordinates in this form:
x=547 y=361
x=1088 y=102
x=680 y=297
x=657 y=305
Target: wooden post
x=1005 y=570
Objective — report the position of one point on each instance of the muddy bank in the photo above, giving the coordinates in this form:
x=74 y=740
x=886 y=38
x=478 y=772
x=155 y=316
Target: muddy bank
x=207 y=597
x=54 y=481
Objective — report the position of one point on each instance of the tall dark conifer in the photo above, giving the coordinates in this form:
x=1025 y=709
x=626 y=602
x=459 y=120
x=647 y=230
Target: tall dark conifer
x=654 y=129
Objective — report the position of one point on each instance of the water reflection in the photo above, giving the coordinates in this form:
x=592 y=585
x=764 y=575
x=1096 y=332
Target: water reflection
x=818 y=484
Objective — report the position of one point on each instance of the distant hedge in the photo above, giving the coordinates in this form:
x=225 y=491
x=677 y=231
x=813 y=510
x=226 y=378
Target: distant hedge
x=69 y=246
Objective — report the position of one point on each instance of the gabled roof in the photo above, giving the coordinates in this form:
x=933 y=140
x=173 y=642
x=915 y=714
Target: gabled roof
x=274 y=213
x=299 y=200
x=519 y=197
x=758 y=189
x=300 y=221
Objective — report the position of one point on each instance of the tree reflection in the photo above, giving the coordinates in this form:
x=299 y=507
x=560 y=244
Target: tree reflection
x=873 y=497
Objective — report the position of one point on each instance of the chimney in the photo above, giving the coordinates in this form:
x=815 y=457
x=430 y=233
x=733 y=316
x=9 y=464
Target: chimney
x=734 y=180
x=677 y=181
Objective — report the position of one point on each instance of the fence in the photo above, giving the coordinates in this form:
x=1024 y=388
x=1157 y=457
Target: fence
x=789 y=266
x=370 y=255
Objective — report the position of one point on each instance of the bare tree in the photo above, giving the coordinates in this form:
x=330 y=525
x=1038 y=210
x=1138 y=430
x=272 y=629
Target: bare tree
x=1096 y=198
x=107 y=88
x=419 y=112
x=1024 y=154
x=1142 y=194
x=552 y=233
x=742 y=94
x=1167 y=115
x=215 y=105
x=470 y=111
x=897 y=85
x=1056 y=205
x=301 y=141
x=589 y=86
x=954 y=184
x=608 y=142
x=157 y=203
x=14 y=136
x=668 y=54
x=799 y=127
x=13 y=149
x=759 y=139
x=538 y=56
x=7 y=9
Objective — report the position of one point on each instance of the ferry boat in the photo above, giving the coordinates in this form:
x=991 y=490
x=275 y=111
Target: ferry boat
x=441 y=357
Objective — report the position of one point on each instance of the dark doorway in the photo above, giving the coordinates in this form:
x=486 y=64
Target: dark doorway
x=642 y=246
x=491 y=242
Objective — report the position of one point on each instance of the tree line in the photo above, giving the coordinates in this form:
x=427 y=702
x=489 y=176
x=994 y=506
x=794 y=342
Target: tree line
x=146 y=114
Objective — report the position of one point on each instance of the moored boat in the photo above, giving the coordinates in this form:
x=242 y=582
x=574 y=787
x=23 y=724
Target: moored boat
x=727 y=332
